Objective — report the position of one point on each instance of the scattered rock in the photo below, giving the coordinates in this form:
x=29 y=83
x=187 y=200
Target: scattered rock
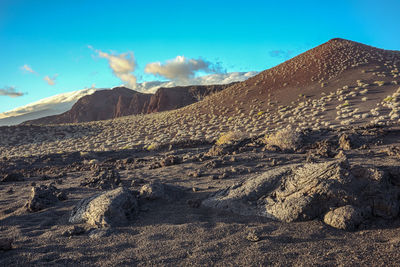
x=346 y=218
x=44 y=196
x=170 y=160
x=112 y=208
x=106 y=179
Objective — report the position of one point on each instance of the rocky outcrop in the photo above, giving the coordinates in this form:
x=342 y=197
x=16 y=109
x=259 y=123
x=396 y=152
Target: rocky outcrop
x=305 y=192
x=112 y=208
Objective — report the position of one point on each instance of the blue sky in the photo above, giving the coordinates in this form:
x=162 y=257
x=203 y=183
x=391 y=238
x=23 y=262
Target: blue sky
x=52 y=37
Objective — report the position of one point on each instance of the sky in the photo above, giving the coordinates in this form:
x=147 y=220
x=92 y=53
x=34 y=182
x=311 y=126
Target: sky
x=50 y=47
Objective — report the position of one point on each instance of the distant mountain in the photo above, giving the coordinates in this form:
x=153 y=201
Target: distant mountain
x=63 y=102
x=121 y=101
x=48 y=106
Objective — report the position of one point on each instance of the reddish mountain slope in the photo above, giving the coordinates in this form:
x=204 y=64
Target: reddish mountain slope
x=325 y=68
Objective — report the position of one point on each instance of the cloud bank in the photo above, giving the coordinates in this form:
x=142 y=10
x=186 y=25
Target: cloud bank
x=122 y=66
x=218 y=78
x=45 y=107
x=10 y=91
x=51 y=80
x=181 y=68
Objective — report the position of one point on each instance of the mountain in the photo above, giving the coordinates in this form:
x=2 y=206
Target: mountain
x=121 y=101
x=324 y=69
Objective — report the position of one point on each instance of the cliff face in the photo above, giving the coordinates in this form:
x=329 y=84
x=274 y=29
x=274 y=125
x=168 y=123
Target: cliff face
x=121 y=101
x=177 y=97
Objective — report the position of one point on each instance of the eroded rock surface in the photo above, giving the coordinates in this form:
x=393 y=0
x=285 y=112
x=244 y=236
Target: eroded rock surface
x=112 y=208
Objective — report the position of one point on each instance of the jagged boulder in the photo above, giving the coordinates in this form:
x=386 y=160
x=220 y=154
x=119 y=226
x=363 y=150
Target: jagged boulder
x=112 y=208
x=44 y=196
x=304 y=192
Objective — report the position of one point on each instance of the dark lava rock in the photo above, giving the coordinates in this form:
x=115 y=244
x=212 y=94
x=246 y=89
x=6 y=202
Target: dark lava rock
x=44 y=196
x=170 y=160
x=350 y=141
x=12 y=177
x=157 y=190
x=6 y=243
x=106 y=179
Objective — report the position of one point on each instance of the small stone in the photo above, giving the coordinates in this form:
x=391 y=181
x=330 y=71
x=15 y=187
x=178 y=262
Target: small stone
x=6 y=243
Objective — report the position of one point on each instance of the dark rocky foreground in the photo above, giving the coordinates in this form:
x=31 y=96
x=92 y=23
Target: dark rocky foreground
x=328 y=198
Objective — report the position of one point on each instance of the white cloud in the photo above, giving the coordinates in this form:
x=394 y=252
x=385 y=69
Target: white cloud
x=10 y=91
x=218 y=78
x=181 y=68
x=51 y=80
x=122 y=66
x=27 y=68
